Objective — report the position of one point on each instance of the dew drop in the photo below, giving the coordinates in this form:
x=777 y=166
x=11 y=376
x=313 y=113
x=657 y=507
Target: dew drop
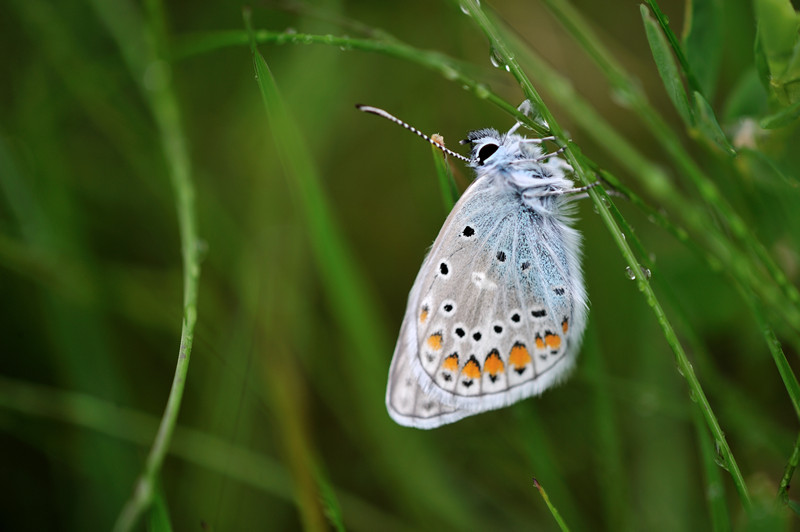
x=290 y=31
x=464 y=8
x=496 y=59
x=646 y=272
x=449 y=72
x=629 y=272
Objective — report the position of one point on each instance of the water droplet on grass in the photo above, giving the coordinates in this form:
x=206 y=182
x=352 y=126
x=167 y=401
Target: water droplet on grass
x=496 y=59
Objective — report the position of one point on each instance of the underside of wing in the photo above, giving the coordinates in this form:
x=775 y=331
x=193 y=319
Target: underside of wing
x=496 y=313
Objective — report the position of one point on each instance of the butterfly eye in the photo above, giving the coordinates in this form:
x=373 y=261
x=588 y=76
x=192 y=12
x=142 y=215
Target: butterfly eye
x=486 y=151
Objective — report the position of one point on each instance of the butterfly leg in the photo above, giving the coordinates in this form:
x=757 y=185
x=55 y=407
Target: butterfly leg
x=540 y=140
x=551 y=154
x=576 y=190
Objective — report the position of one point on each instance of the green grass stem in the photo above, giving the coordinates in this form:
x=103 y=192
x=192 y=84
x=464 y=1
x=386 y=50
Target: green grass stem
x=127 y=28
x=553 y=510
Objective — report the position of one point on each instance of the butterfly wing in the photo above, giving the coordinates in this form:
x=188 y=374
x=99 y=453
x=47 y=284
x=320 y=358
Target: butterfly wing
x=496 y=313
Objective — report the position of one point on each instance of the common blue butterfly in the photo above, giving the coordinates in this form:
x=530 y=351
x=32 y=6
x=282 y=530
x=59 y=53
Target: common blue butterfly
x=498 y=309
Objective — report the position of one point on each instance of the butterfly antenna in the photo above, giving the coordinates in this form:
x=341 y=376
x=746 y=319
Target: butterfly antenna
x=384 y=114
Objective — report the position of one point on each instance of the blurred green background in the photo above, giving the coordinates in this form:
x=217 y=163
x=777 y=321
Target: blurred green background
x=304 y=281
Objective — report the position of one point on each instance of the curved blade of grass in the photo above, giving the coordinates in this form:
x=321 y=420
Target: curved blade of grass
x=703 y=41
x=707 y=125
x=601 y=200
x=142 y=45
x=561 y=524
x=666 y=66
x=673 y=42
x=699 y=114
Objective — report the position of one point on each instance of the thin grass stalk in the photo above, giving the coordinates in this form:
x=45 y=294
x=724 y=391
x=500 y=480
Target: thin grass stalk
x=164 y=107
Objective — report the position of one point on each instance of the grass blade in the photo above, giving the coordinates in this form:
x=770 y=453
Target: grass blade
x=715 y=487
x=703 y=43
x=707 y=125
x=778 y=25
x=158 y=516
x=557 y=516
x=667 y=68
x=125 y=27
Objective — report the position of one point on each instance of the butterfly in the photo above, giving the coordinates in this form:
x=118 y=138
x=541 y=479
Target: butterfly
x=498 y=309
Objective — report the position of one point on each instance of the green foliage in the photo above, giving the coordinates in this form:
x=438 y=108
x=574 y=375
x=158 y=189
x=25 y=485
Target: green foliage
x=136 y=145
x=778 y=49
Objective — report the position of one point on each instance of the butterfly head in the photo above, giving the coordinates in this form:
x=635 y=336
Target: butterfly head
x=490 y=148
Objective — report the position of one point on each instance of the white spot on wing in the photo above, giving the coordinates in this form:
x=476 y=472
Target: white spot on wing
x=480 y=280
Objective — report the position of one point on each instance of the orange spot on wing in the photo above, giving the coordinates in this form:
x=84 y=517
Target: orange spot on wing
x=553 y=341
x=435 y=341
x=493 y=364
x=451 y=363
x=471 y=369
x=539 y=342
x=565 y=325
x=519 y=356
x=423 y=315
